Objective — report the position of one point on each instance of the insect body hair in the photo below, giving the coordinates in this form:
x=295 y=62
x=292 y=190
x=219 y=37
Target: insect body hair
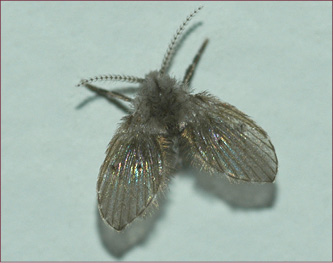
x=162 y=100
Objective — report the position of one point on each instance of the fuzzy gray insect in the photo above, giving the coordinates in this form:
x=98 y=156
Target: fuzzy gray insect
x=168 y=122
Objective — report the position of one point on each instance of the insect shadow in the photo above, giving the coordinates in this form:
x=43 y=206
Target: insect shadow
x=242 y=196
x=118 y=244
x=115 y=102
x=239 y=195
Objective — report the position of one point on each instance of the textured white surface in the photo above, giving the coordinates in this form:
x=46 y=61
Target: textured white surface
x=270 y=59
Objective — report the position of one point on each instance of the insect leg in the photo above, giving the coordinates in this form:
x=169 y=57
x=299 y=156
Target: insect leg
x=108 y=94
x=190 y=70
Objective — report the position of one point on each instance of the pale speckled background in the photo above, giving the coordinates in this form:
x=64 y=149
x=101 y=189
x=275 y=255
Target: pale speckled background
x=273 y=60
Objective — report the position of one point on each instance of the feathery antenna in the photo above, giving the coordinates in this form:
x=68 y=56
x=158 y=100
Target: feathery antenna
x=171 y=47
x=110 y=77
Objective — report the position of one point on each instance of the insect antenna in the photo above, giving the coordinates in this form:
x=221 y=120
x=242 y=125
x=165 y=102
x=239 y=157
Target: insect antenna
x=110 y=77
x=171 y=47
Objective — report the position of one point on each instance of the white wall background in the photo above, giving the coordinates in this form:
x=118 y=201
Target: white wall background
x=273 y=60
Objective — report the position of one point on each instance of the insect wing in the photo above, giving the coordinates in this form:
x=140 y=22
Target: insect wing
x=135 y=170
x=222 y=139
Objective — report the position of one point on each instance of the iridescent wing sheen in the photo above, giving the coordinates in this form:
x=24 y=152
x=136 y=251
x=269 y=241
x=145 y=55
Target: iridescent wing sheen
x=220 y=138
x=135 y=170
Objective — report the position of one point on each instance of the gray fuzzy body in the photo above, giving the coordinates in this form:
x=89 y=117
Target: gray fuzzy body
x=161 y=104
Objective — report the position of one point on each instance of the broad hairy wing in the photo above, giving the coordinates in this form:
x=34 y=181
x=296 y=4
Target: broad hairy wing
x=135 y=170
x=222 y=139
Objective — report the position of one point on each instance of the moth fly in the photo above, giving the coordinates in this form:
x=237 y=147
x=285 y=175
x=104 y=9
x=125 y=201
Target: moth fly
x=168 y=122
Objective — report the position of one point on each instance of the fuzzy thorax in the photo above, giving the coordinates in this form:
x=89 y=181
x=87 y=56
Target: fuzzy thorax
x=162 y=100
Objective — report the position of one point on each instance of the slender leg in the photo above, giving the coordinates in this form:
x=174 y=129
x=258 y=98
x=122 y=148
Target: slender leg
x=108 y=94
x=190 y=70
